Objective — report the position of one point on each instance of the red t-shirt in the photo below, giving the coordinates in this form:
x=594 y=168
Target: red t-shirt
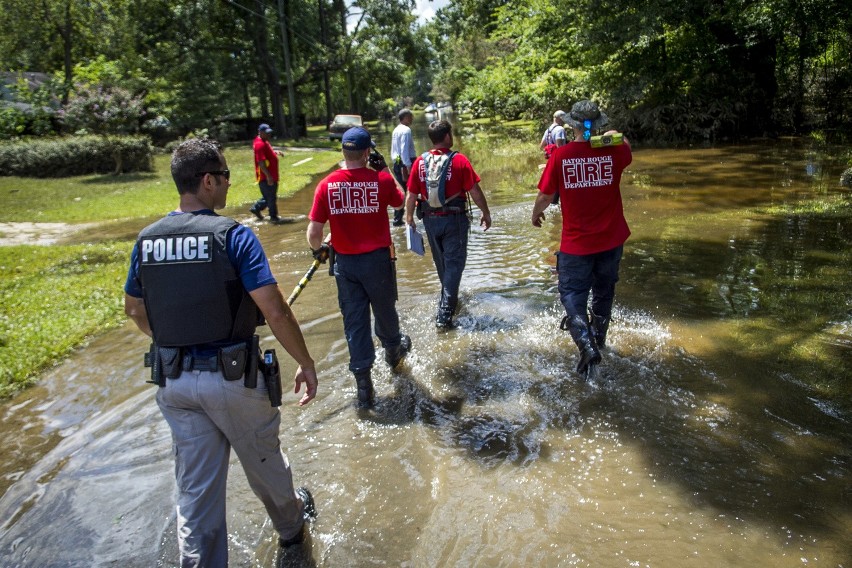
x=588 y=181
x=263 y=152
x=460 y=175
x=355 y=204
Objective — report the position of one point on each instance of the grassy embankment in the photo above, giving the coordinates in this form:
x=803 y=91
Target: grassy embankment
x=52 y=298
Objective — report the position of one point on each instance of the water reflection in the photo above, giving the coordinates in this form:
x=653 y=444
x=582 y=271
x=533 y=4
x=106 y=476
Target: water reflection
x=707 y=436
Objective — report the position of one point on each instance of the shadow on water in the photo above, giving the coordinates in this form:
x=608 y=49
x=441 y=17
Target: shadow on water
x=748 y=450
x=691 y=430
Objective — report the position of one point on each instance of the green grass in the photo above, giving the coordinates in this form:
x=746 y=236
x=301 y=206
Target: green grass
x=108 y=197
x=52 y=298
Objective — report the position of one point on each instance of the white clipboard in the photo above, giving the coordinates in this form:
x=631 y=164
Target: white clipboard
x=414 y=240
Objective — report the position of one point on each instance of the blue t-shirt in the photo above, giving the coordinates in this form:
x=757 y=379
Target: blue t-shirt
x=244 y=251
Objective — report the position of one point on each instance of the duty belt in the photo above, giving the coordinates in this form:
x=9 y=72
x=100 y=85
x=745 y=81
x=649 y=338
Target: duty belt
x=236 y=361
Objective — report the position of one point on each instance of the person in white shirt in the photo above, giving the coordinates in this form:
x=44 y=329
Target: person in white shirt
x=554 y=136
x=402 y=155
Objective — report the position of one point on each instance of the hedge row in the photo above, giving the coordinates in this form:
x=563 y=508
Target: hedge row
x=76 y=155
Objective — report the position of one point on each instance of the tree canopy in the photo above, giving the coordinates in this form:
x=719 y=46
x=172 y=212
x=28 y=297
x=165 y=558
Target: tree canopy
x=219 y=64
x=666 y=71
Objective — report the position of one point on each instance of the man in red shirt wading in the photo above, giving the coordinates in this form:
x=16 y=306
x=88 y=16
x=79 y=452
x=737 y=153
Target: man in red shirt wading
x=354 y=201
x=439 y=184
x=587 y=174
x=266 y=174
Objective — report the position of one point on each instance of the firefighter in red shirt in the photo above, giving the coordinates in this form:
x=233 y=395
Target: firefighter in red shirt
x=586 y=173
x=266 y=174
x=354 y=201
x=440 y=184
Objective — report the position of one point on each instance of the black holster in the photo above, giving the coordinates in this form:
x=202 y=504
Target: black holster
x=165 y=363
x=152 y=359
x=272 y=375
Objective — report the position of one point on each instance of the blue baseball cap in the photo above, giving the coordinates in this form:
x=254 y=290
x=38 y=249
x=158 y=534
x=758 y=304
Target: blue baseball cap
x=264 y=128
x=357 y=138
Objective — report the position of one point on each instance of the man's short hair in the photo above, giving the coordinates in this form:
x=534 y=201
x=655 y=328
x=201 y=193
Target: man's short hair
x=352 y=155
x=404 y=113
x=438 y=130
x=192 y=157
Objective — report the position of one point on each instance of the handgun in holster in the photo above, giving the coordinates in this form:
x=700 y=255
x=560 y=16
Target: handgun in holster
x=272 y=375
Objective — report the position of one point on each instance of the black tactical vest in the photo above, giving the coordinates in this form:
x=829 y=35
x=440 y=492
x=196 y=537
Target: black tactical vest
x=193 y=295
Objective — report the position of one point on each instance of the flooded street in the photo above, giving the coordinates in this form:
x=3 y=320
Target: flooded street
x=707 y=440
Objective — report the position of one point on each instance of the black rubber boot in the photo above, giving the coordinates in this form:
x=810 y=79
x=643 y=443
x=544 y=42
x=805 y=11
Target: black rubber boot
x=365 y=388
x=309 y=513
x=600 y=325
x=581 y=333
x=395 y=355
x=446 y=311
x=397 y=217
x=309 y=509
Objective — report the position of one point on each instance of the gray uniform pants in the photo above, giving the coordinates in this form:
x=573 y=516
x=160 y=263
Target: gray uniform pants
x=207 y=416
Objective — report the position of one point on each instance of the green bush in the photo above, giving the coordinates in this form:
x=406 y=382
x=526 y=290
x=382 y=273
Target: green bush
x=13 y=121
x=78 y=155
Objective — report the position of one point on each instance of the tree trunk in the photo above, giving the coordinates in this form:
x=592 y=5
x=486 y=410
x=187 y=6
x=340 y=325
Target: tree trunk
x=270 y=69
x=325 y=79
x=283 y=19
x=247 y=107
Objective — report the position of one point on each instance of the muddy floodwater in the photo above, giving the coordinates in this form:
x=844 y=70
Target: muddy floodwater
x=718 y=433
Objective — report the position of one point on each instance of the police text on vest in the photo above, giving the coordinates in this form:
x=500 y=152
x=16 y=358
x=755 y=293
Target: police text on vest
x=176 y=249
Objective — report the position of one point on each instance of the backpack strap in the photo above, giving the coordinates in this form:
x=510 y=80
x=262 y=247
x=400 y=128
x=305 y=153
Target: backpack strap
x=548 y=138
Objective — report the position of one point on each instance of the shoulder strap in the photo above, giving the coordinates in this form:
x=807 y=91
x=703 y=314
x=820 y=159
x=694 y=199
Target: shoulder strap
x=549 y=139
x=436 y=166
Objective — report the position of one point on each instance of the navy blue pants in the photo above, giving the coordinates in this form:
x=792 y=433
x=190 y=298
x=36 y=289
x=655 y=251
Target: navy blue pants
x=578 y=274
x=448 y=241
x=397 y=173
x=269 y=199
x=366 y=281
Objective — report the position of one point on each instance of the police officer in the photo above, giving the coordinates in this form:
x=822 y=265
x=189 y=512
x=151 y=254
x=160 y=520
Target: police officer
x=198 y=284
